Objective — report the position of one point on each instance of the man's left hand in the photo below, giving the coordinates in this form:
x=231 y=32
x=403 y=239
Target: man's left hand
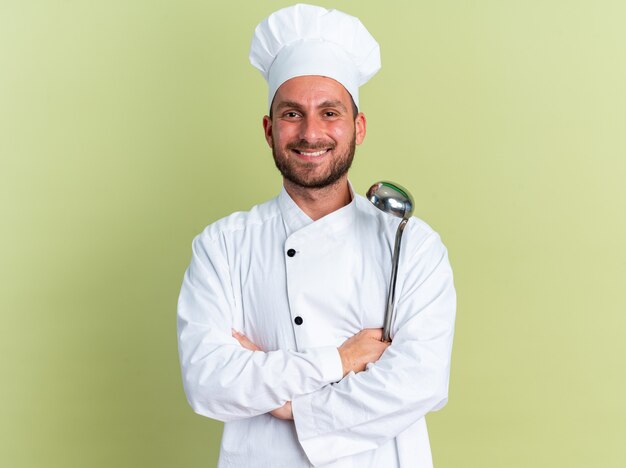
x=284 y=412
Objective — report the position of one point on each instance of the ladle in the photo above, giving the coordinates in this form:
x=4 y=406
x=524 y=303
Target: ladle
x=396 y=201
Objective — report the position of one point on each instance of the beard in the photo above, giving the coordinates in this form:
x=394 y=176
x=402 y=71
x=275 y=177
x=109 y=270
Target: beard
x=302 y=174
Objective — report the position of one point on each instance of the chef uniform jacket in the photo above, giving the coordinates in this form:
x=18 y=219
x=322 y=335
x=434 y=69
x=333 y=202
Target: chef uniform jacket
x=298 y=289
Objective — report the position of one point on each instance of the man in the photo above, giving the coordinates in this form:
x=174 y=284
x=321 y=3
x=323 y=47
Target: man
x=281 y=307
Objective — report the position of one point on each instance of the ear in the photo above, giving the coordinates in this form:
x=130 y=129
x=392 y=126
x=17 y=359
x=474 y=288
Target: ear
x=360 y=126
x=267 y=129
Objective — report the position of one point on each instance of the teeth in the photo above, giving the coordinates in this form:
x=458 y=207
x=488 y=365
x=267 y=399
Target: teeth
x=317 y=153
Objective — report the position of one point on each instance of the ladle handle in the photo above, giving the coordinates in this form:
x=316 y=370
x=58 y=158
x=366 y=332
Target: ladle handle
x=392 y=282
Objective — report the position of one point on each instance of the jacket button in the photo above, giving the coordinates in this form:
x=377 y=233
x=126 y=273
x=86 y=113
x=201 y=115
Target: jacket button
x=298 y=320
x=291 y=252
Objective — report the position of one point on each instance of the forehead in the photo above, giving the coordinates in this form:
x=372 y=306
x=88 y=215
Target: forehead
x=311 y=91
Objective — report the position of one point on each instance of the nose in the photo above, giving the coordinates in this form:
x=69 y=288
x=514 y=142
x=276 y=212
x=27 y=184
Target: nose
x=311 y=129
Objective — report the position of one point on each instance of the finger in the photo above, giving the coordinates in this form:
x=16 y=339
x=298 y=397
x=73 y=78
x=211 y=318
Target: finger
x=244 y=341
x=241 y=338
x=375 y=333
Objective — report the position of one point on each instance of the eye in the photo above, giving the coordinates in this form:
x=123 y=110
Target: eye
x=291 y=115
x=331 y=114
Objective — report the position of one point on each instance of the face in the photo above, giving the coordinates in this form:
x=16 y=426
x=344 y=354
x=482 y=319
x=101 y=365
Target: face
x=313 y=131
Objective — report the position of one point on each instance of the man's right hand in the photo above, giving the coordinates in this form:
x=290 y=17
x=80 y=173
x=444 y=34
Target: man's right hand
x=361 y=349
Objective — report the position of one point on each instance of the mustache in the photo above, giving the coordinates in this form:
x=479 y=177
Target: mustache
x=303 y=145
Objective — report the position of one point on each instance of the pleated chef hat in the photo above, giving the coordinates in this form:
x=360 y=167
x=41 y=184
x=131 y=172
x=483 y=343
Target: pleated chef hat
x=310 y=40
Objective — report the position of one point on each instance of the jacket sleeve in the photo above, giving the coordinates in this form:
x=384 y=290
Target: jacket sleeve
x=221 y=379
x=365 y=410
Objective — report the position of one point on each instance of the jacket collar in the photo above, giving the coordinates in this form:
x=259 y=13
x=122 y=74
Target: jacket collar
x=296 y=220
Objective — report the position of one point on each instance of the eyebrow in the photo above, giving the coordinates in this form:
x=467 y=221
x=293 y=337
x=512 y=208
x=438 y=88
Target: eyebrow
x=283 y=104
x=334 y=103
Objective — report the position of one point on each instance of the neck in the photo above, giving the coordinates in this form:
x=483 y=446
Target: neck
x=319 y=202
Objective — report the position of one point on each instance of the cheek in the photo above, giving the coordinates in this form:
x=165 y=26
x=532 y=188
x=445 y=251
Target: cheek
x=341 y=132
x=284 y=134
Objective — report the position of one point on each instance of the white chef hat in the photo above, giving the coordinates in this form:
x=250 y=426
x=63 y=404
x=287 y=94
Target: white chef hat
x=310 y=40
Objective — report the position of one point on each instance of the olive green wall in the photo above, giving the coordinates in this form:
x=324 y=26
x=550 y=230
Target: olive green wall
x=127 y=126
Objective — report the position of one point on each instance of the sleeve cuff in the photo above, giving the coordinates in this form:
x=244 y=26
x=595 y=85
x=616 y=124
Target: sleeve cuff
x=312 y=416
x=304 y=420
x=329 y=362
x=314 y=420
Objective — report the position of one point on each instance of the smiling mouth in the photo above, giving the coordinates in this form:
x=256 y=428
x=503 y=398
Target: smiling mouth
x=312 y=154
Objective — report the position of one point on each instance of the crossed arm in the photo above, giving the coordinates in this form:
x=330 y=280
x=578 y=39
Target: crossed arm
x=355 y=353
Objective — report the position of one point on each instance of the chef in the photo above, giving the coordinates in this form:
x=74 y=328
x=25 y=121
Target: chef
x=281 y=308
